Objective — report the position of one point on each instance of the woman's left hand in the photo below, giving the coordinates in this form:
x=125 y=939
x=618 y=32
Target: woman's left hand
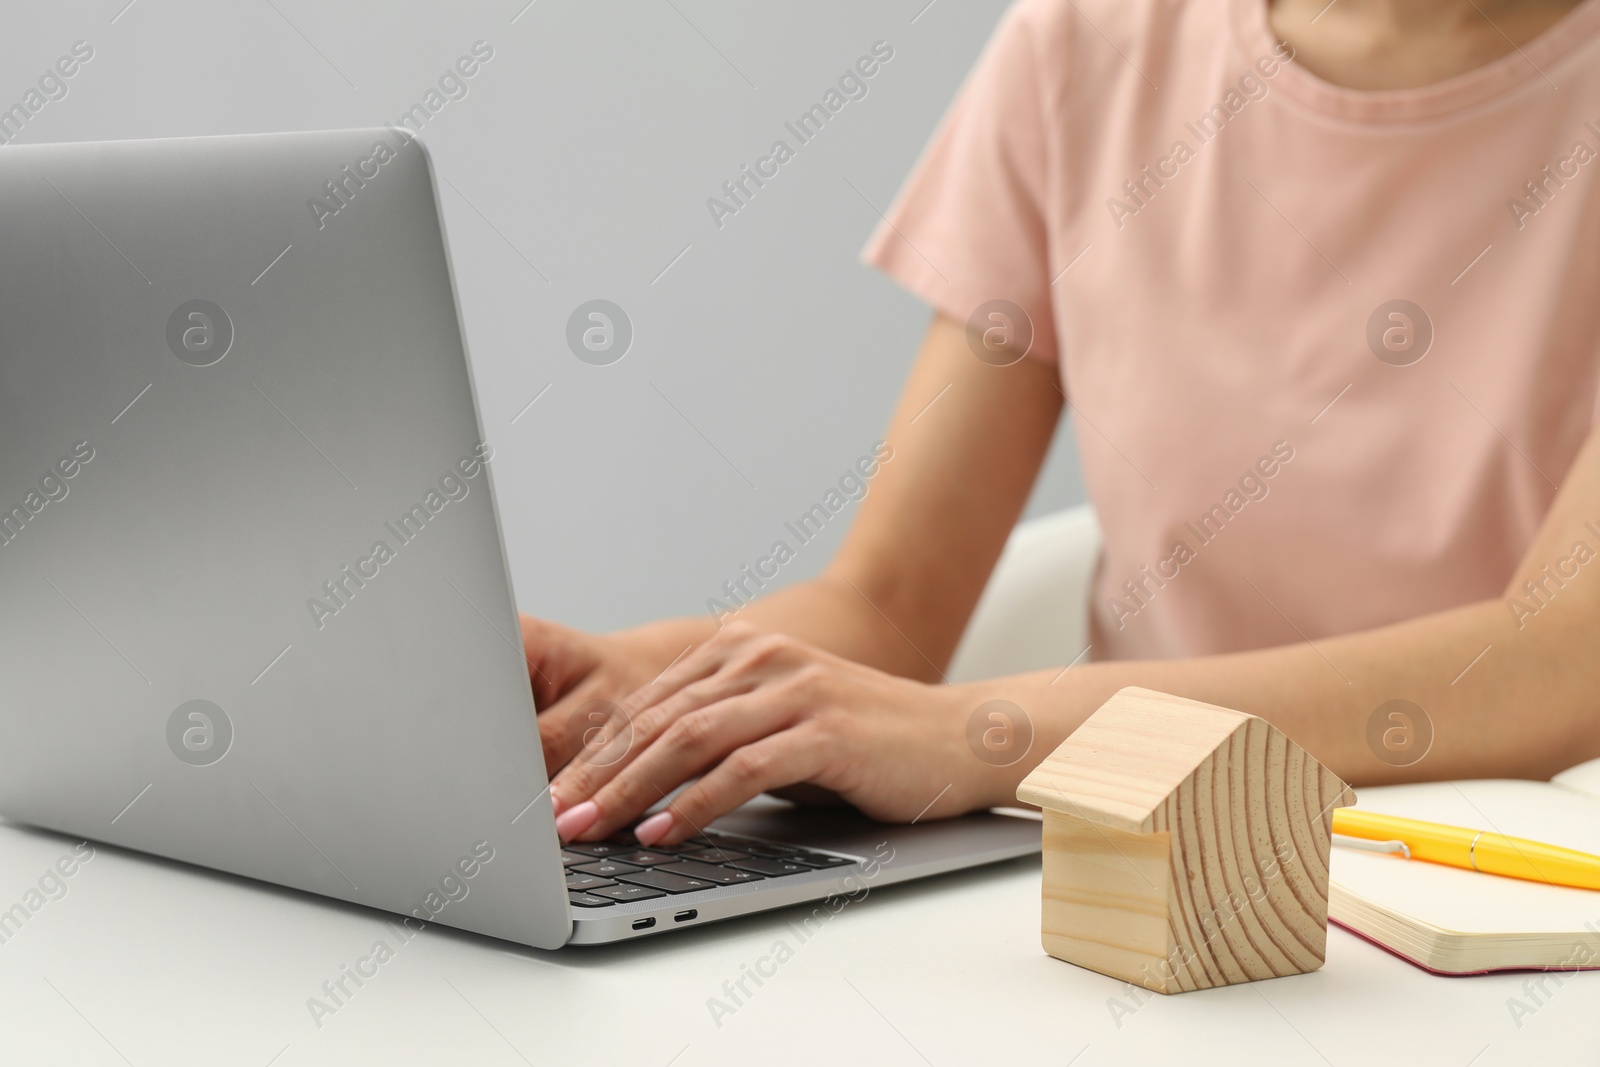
x=752 y=712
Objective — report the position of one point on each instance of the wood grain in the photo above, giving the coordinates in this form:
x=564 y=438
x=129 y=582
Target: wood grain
x=1185 y=845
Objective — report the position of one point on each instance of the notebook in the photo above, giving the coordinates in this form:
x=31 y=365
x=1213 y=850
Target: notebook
x=1453 y=921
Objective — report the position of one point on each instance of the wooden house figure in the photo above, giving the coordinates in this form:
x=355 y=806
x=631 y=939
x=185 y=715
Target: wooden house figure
x=1185 y=845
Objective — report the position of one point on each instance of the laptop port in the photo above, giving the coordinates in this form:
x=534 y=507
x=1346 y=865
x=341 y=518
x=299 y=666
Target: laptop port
x=685 y=916
x=644 y=924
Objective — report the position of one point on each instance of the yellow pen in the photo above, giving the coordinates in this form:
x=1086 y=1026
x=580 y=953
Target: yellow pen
x=1477 y=850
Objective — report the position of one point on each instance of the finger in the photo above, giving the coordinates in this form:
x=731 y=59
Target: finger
x=569 y=688
x=778 y=760
x=578 y=727
x=548 y=649
x=579 y=722
x=692 y=666
x=691 y=745
x=737 y=646
x=638 y=725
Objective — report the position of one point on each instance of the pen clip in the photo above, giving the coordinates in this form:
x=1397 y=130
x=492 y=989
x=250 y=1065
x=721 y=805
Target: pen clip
x=1364 y=845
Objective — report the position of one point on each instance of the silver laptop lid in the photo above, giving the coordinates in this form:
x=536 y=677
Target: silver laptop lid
x=254 y=606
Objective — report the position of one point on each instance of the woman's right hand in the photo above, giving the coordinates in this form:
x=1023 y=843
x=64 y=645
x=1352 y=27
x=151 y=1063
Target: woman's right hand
x=578 y=677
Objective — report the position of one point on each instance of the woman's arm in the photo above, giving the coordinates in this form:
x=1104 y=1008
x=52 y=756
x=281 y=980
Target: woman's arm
x=1508 y=691
x=968 y=438
x=1511 y=686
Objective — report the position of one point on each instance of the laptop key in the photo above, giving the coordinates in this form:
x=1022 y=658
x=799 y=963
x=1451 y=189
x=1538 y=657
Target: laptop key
x=586 y=881
x=770 y=851
x=717 y=855
x=770 y=868
x=720 y=875
x=625 y=893
x=604 y=868
x=817 y=859
x=599 y=848
x=569 y=858
x=669 y=883
x=644 y=859
x=588 y=900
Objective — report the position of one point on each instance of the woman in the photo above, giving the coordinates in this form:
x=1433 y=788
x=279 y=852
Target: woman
x=1319 y=281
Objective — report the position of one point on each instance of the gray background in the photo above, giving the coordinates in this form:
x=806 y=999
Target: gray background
x=766 y=359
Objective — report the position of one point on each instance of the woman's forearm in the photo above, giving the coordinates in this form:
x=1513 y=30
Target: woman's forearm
x=942 y=500
x=948 y=489
x=833 y=614
x=1498 y=700
x=1498 y=695
x=826 y=612
x=1508 y=687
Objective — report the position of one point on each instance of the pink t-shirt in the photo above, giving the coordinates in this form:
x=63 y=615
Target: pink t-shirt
x=1329 y=352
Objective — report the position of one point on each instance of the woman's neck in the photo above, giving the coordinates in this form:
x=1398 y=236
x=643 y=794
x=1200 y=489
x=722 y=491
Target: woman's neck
x=1403 y=44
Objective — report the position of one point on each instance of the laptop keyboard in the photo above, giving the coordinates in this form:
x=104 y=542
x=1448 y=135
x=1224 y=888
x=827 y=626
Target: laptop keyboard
x=601 y=874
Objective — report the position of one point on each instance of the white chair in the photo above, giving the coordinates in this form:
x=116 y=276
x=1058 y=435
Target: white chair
x=1034 y=613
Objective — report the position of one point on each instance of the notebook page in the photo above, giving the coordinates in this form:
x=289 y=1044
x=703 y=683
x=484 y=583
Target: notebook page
x=1465 y=901
x=1584 y=778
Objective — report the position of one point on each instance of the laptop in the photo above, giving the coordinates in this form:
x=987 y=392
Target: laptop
x=257 y=613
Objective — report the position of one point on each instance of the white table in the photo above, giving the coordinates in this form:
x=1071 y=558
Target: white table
x=152 y=963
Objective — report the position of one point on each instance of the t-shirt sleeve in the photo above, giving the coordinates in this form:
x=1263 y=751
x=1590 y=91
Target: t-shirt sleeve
x=970 y=226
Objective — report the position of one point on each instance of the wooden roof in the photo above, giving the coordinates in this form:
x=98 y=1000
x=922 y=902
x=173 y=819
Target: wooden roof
x=1137 y=749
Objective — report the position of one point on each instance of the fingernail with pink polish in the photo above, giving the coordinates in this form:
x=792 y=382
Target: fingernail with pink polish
x=570 y=824
x=654 y=828
x=556 y=803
